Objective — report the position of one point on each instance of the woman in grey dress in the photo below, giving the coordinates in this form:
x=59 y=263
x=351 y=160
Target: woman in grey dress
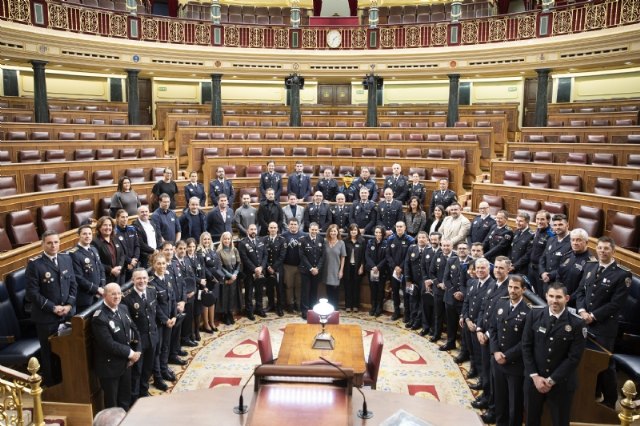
x=334 y=255
x=125 y=198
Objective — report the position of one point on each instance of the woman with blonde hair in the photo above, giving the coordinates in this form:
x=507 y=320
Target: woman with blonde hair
x=230 y=258
x=211 y=290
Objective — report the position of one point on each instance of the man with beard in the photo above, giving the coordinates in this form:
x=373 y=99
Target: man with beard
x=557 y=250
x=269 y=211
x=521 y=245
x=252 y=255
x=220 y=186
x=538 y=245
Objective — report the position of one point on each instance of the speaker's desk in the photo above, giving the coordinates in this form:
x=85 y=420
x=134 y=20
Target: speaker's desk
x=348 y=352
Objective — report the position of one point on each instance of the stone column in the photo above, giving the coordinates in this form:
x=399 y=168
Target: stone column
x=452 y=110
x=41 y=105
x=372 y=100
x=216 y=99
x=133 y=100
x=294 y=83
x=541 y=97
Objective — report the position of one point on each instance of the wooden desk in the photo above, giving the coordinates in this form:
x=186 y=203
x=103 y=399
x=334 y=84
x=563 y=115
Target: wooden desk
x=349 y=351
x=202 y=407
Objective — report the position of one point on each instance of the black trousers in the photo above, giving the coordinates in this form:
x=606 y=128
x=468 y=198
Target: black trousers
x=453 y=316
x=476 y=354
x=275 y=282
x=395 y=293
x=509 y=396
x=485 y=372
x=416 y=307
x=51 y=370
x=253 y=288
x=438 y=313
x=142 y=370
x=427 y=311
x=309 y=292
x=558 y=399
x=161 y=362
x=117 y=390
x=607 y=382
x=376 y=289
x=351 y=282
x=176 y=336
x=187 y=323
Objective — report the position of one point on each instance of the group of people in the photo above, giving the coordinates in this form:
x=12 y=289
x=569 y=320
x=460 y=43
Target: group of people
x=446 y=270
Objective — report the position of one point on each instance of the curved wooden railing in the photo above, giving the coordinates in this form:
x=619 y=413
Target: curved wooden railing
x=570 y=19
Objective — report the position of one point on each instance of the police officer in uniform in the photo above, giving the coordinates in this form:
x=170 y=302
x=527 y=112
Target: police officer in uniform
x=142 y=303
x=180 y=289
x=117 y=348
x=398 y=183
x=318 y=212
x=254 y=263
x=481 y=224
x=415 y=281
x=521 y=245
x=397 y=246
x=276 y=250
x=311 y=262
x=427 y=290
x=190 y=276
x=299 y=183
x=557 y=250
x=366 y=181
x=363 y=213
x=376 y=267
x=128 y=236
x=602 y=293
x=505 y=344
x=87 y=269
x=455 y=286
x=220 y=186
x=436 y=278
x=570 y=271
x=416 y=189
x=538 y=245
x=340 y=214
x=552 y=345
x=270 y=179
x=443 y=196
x=389 y=212
x=51 y=289
x=498 y=242
x=328 y=185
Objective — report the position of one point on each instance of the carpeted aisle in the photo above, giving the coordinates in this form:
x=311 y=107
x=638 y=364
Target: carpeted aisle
x=410 y=364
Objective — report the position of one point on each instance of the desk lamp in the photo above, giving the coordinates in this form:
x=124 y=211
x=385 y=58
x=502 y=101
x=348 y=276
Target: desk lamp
x=323 y=340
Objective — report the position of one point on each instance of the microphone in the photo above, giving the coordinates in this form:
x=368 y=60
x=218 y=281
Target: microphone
x=364 y=413
x=241 y=408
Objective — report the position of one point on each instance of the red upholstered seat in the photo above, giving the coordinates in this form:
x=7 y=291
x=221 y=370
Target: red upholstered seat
x=148 y=153
x=554 y=207
x=625 y=230
x=82 y=211
x=521 y=156
x=634 y=190
x=128 y=153
x=29 y=156
x=135 y=175
x=253 y=171
x=374 y=360
x=392 y=152
x=570 y=183
x=83 y=154
x=299 y=151
x=54 y=155
x=103 y=177
x=8 y=186
x=439 y=173
x=513 y=178
x=576 y=158
x=529 y=206
x=50 y=219
x=590 y=219
x=607 y=186
x=435 y=153
x=46 y=182
x=540 y=180
x=276 y=151
x=496 y=203
x=421 y=171
x=543 y=157
x=105 y=154
x=75 y=179
x=603 y=159
x=264 y=346
x=21 y=228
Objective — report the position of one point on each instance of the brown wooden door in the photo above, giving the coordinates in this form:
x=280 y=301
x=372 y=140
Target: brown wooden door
x=334 y=94
x=144 y=97
x=530 y=95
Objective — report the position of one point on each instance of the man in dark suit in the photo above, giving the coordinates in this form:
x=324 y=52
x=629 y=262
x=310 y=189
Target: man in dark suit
x=87 y=269
x=220 y=218
x=328 y=185
x=455 y=284
x=505 y=344
x=443 y=196
x=299 y=183
x=389 y=212
x=435 y=280
x=414 y=278
x=270 y=179
x=600 y=297
x=552 y=345
x=318 y=212
x=340 y=214
x=364 y=213
x=398 y=183
x=142 y=303
x=521 y=245
x=498 y=242
x=220 y=186
x=195 y=189
x=397 y=246
x=571 y=271
x=557 y=250
x=276 y=250
x=51 y=289
x=117 y=348
x=149 y=235
x=311 y=249
x=366 y=181
x=167 y=220
x=254 y=263
x=269 y=211
x=538 y=245
x=193 y=221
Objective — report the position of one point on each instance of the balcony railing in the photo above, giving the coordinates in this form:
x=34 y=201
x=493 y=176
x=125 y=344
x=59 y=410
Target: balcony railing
x=570 y=19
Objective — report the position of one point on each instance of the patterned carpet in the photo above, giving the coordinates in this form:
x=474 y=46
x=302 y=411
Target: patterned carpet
x=410 y=364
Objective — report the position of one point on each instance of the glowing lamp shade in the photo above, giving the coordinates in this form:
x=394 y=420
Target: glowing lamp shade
x=323 y=340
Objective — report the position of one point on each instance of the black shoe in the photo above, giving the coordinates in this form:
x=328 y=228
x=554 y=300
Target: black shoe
x=160 y=384
x=489 y=417
x=182 y=353
x=416 y=327
x=304 y=316
x=480 y=403
x=378 y=312
x=372 y=312
x=280 y=312
x=227 y=319
x=177 y=361
x=424 y=332
x=168 y=375
x=269 y=308
x=144 y=394
x=395 y=316
x=207 y=330
x=406 y=320
x=261 y=314
x=250 y=317
x=197 y=337
x=472 y=373
x=462 y=357
x=189 y=342
x=446 y=347
x=476 y=386
x=408 y=325
x=434 y=339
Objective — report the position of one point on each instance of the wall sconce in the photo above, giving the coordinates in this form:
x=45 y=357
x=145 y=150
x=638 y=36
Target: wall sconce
x=373 y=14
x=132 y=7
x=295 y=13
x=215 y=12
x=456 y=11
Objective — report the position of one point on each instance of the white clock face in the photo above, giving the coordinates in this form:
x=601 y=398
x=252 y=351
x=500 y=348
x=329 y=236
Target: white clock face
x=334 y=39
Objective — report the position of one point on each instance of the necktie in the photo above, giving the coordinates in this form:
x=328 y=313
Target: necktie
x=55 y=260
x=513 y=308
x=144 y=297
x=552 y=322
x=599 y=272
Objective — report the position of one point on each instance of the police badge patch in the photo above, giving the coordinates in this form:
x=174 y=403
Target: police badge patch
x=584 y=332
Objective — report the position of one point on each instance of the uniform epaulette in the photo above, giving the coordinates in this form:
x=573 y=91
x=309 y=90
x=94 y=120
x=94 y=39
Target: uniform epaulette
x=73 y=250
x=538 y=306
x=592 y=259
x=97 y=312
x=504 y=297
x=624 y=268
x=575 y=314
x=35 y=258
